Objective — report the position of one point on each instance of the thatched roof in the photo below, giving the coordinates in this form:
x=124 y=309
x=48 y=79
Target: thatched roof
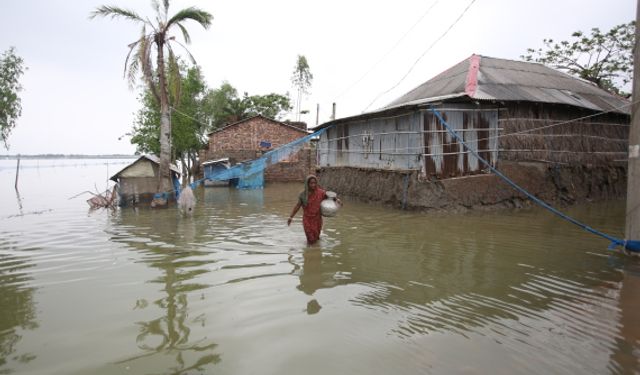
x=487 y=78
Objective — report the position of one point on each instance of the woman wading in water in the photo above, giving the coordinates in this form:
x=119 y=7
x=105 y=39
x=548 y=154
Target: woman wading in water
x=310 y=200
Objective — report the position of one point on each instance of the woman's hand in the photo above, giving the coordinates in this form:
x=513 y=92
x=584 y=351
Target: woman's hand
x=289 y=221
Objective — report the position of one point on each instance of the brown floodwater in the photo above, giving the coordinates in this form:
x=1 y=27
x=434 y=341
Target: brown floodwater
x=233 y=290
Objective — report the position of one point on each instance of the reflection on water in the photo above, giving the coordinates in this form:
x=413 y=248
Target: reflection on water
x=17 y=313
x=166 y=339
x=234 y=290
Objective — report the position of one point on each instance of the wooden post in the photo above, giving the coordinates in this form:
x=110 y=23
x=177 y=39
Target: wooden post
x=18 y=170
x=632 y=228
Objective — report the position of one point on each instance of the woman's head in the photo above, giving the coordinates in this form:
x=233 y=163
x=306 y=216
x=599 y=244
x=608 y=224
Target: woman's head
x=312 y=182
x=310 y=185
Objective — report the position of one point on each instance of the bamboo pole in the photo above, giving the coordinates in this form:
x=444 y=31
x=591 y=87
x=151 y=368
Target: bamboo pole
x=17 y=172
x=632 y=222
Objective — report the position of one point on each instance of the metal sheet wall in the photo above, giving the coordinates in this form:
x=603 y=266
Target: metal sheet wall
x=445 y=157
x=385 y=143
x=414 y=141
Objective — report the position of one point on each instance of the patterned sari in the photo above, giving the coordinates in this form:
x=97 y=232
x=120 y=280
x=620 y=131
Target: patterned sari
x=312 y=217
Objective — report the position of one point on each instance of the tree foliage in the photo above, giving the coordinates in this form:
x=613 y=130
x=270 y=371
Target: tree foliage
x=224 y=106
x=301 y=79
x=187 y=119
x=197 y=111
x=11 y=68
x=155 y=38
x=604 y=58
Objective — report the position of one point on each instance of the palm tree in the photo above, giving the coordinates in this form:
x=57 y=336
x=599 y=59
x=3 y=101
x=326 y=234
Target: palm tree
x=140 y=58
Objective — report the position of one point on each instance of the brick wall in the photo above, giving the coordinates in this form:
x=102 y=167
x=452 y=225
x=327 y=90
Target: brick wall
x=241 y=142
x=293 y=170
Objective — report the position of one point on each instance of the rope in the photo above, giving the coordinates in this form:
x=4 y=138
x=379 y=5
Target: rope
x=575 y=120
x=631 y=245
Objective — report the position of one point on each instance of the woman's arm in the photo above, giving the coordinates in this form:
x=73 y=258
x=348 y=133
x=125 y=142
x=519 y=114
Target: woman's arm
x=294 y=212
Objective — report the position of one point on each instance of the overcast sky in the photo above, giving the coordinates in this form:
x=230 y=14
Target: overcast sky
x=75 y=99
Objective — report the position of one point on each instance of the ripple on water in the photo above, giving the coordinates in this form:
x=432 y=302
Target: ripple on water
x=384 y=290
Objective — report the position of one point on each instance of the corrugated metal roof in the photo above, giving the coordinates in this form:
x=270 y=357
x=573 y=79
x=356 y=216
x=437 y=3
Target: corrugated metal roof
x=450 y=82
x=510 y=80
x=505 y=80
x=152 y=158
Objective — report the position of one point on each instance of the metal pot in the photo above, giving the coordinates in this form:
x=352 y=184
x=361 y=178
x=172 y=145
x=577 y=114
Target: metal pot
x=329 y=207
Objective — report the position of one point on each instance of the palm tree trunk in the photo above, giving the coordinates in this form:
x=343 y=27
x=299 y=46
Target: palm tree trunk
x=164 y=181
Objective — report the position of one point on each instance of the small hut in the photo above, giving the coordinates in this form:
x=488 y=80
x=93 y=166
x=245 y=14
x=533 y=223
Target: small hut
x=138 y=182
x=559 y=136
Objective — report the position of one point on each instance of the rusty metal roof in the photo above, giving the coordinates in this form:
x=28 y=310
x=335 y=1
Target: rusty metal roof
x=488 y=78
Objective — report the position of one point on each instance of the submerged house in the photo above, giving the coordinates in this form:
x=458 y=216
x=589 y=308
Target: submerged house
x=249 y=139
x=558 y=136
x=212 y=167
x=138 y=182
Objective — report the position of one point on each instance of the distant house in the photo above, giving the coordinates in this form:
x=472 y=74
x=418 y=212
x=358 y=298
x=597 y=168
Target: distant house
x=561 y=137
x=248 y=139
x=138 y=182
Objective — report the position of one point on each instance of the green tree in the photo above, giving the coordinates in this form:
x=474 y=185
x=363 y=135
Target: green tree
x=271 y=105
x=301 y=79
x=223 y=106
x=155 y=38
x=188 y=124
x=605 y=59
x=11 y=68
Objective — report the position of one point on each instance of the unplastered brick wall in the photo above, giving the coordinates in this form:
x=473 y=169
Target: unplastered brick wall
x=247 y=135
x=304 y=165
x=242 y=141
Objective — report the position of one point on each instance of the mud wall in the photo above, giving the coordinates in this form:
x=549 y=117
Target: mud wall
x=560 y=185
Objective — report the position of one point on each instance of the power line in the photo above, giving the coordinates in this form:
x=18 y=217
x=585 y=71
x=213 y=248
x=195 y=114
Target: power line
x=388 y=52
x=575 y=120
x=189 y=117
x=424 y=53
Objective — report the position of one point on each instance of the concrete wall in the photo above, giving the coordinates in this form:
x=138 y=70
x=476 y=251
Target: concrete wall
x=557 y=185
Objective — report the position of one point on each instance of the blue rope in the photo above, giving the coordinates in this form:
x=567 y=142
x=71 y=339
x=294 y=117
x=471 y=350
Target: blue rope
x=631 y=245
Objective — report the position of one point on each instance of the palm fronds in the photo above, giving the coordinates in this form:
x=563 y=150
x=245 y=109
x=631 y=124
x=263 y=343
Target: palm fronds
x=192 y=13
x=185 y=33
x=115 y=12
x=174 y=79
x=193 y=60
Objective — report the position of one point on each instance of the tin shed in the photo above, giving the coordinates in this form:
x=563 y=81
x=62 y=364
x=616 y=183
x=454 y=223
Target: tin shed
x=138 y=182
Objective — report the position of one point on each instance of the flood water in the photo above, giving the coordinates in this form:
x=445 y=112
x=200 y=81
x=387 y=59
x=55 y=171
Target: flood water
x=233 y=290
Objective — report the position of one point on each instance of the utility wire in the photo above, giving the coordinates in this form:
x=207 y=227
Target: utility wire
x=424 y=53
x=388 y=52
x=575 y=120
x=187 y=116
